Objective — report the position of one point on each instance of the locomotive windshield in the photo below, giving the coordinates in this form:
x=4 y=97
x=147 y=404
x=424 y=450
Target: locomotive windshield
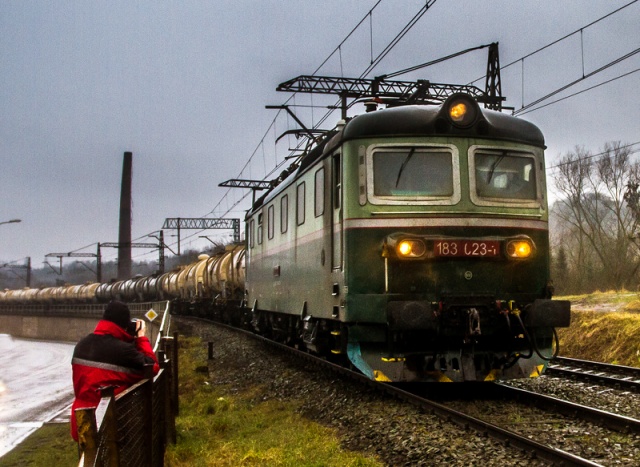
x=430 y=175
x=503 y=175
x=412 y=172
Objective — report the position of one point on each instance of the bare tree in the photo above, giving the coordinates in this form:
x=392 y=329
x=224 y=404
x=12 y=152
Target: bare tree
x=595 y=222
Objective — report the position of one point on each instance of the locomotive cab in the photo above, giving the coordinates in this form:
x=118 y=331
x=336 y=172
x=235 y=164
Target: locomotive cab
x=446 y=249
x=411 y=242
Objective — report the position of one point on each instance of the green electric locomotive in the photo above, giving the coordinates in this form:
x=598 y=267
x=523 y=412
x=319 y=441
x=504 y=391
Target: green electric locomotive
x=412 y=242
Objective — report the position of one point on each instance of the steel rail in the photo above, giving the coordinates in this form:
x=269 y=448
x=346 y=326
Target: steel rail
x=623 y=377
x=507 y=437
x=610 y=420
x=620 y=369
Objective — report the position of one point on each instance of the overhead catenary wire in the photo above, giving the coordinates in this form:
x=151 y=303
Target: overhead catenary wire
x=260 y=146
x=579 y=30
x=566 y=36
x=593 y=156
x=573 y=83
x=434 y=62
x=579 y=92
x=374 y=63
x=412 y=22
x=525 y=109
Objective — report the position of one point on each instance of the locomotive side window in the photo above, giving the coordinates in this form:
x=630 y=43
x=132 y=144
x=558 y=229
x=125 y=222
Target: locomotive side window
x=414 y=175
x=270 y=221
x=319 y=193
x=503 y=177
x=284 y=213
x=251 y=235
x=259 y=229
x=336 y=182
x=300 y=204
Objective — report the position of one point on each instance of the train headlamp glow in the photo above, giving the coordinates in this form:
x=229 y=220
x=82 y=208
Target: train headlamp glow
x=458 y=111
x=411 y=248
x=462 y=110
x=519 y=249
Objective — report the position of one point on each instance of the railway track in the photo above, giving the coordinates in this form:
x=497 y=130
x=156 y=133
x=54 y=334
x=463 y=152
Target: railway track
x=508 y=437
x=610 y=420
x=616 y=376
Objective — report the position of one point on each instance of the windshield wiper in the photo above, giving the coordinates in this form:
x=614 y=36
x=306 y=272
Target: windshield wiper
x=493 y=168
x=404 y=164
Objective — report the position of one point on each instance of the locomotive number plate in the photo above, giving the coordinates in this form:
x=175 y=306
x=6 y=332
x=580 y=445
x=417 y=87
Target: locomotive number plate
x=470 y=248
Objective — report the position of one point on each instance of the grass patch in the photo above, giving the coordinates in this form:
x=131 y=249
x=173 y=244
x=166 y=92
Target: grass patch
x=611 y=299
x=50 y=445
x=633 y=306
x=217 y=427
x=610 y=337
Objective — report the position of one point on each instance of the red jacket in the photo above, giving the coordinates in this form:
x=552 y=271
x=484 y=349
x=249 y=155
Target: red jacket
x=108 y=357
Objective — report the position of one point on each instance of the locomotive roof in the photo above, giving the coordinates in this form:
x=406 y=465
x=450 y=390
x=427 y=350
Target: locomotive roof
x=423 y=120
x=419 y=120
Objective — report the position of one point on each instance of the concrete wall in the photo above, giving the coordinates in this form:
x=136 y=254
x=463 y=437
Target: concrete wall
x=47 y=327
x=70 y=324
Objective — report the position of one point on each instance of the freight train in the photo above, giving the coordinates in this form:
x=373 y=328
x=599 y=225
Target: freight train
x=210 y=279
x=410 y=242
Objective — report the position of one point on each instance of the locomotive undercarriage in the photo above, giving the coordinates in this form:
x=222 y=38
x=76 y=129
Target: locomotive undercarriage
x=458 y=351
x=463 y=339
x=457 y=339
x=320 y=336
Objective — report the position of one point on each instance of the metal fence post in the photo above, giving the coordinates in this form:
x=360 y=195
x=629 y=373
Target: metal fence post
x=174 y=371
x=87 y=435
x=171 y=397
x=147 y=400
x=169 y=415
x=168 y=345
x=106 y=420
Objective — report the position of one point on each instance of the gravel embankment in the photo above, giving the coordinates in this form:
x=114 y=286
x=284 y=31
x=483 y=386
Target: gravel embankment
x=398 y=433
x=625 y=403
x=366 y=420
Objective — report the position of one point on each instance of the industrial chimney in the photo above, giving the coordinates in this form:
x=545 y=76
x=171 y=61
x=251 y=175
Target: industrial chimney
x=124 y=237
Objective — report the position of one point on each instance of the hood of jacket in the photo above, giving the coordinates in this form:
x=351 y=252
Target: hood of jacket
x=108 y=327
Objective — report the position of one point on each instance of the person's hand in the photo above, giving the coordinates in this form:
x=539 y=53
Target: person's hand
x=141 y=328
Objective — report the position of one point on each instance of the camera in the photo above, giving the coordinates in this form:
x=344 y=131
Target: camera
x=132 y=327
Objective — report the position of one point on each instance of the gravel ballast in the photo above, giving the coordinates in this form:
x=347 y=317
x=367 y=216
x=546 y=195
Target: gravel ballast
x=366 y=420
x=400 y=434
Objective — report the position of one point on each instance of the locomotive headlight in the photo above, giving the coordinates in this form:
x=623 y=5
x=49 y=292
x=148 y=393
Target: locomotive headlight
x=458 y=111
x=411 y=248
x=462 y=110
x=519 y=249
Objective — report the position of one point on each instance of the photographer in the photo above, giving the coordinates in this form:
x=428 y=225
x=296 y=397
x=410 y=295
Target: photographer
x=115 y=354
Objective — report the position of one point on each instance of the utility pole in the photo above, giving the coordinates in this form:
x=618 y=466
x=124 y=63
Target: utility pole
x=79 y=255
x=493 y=87
x=26 y=266
x=99 y=265
x=130 y=246
x=161 y=253
x=202 y=223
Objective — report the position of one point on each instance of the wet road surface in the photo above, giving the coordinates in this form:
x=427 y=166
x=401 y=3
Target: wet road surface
x=35 y=386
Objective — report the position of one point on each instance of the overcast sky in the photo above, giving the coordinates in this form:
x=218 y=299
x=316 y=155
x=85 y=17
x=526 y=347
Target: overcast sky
x=183 y=85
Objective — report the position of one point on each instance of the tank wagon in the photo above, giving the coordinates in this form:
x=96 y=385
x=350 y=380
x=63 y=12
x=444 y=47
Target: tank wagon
x=198 y=288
